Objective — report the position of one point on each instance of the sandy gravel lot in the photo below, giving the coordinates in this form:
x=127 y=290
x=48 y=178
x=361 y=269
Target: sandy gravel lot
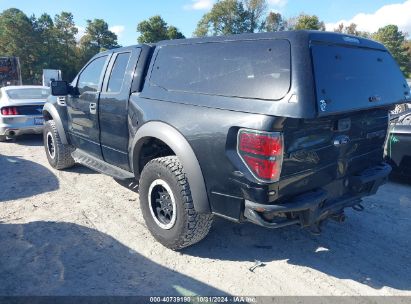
x=78 y=232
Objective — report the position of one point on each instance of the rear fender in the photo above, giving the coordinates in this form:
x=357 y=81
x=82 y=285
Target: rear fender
x=180 y=146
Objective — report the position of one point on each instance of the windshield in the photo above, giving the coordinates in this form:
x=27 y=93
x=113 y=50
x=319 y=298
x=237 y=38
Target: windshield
x=41 y=93
x=352 y=78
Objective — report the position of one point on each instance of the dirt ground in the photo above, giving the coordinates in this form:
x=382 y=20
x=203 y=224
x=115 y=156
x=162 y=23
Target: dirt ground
x=78 y=232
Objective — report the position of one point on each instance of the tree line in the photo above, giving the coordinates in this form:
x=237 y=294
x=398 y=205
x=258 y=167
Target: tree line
x=51 y=42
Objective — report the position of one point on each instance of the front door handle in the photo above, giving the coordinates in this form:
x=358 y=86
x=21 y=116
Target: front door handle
x=93 y=107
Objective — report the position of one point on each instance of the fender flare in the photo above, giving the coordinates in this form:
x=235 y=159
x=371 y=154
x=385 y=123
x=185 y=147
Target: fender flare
x=50 y=109
x=180 y=146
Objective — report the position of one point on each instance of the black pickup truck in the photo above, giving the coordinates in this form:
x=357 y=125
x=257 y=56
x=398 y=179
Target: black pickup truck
x=276 y=128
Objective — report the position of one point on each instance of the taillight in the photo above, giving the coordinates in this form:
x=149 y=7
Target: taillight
x=262 y=152
x=9 y=111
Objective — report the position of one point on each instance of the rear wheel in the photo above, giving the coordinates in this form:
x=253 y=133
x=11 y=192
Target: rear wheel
x=58 y=154
x=167 y=205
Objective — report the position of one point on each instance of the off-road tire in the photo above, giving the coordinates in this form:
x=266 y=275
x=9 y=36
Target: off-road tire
x=190 y=227
x=62 y=156
x=3 y=138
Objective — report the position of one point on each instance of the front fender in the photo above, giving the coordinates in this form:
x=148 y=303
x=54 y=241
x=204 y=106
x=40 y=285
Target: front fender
x=50 y=112
x=178 y=143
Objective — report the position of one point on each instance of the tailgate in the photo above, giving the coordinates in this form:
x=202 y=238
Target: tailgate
x=319 y=151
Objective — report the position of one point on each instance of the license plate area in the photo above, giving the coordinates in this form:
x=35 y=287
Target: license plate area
x=39 y=121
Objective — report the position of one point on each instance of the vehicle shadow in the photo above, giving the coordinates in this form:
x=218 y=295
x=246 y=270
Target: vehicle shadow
x=20 y=178
x=77 y=168
x=50 y=258
x=371 y=248
x=32 y=140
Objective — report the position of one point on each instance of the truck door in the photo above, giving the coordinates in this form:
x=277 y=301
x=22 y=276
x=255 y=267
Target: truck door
x=82 y=108
x=113 y=106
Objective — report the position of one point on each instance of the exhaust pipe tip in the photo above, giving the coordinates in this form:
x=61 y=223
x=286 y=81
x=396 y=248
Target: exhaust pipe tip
x=11 y=133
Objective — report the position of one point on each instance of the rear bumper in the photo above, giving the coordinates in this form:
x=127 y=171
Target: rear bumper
x=310 y=208
x=18 y=125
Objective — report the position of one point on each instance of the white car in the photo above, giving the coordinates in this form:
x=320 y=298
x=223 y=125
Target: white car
x=21 y=110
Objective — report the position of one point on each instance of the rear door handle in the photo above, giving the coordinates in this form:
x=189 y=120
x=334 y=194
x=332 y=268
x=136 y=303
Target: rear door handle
x=93 y=107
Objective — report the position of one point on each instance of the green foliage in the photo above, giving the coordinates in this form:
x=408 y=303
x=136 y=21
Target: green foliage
x=65 y=48
x=174 y=33
x=351 y=30
x=47 y=43
x=308 y=22
x=274 y=22
x=394 y=41
x=18 y=38
x=225 y=18
x=255 y=10
x=156 y=29
x=241 y=16
x=233 y=17
x=99 y=36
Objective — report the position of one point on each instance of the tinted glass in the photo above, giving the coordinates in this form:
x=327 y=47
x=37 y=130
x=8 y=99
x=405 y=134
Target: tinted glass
x=41 y=93
x=349 y=78
x=249 y=69
x=90 y=77
x=118 y=72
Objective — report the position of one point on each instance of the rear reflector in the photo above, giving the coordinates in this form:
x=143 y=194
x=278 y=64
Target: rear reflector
x=9 y=111
x=262 y=153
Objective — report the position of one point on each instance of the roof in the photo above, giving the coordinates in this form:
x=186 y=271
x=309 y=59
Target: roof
x=301 y=36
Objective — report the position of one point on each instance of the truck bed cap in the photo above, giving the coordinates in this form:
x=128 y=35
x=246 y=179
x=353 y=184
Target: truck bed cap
x=300 y=36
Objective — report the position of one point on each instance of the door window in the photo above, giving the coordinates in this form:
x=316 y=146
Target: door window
x=90 y=77
x=118 y=72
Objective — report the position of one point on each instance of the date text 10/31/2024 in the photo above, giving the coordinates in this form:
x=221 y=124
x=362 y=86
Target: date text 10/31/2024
x=203 y=299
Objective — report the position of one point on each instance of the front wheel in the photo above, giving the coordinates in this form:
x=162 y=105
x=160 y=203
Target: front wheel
x=167 y=205
x=3 y=138
x=58 y=154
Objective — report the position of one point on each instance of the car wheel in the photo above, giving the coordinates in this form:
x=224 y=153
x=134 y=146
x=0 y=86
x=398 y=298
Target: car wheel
x=58 y=154
x=3 y=138
x=167 y=205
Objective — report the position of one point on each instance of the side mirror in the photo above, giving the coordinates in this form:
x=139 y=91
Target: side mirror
x=60 y=88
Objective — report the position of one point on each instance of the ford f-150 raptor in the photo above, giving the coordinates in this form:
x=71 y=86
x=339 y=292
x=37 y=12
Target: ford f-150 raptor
x=276 y=128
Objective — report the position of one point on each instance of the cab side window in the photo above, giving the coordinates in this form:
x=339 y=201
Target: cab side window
x=89 y=79
x=118 y=72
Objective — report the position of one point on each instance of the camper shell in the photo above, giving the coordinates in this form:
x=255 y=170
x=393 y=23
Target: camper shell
x=313 y=58
x=274 y=128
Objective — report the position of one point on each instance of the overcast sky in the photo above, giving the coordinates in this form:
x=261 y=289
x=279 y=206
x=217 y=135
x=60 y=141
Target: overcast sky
x=123 y=16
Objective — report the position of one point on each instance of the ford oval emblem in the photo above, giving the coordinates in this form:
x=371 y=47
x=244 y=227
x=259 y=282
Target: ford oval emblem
x=341 y=140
